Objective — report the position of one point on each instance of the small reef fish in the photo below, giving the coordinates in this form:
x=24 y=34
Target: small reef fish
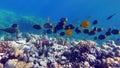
x=115 y=31
x=60 y=25
x=64 y=19
x=92 y=32
x=37 y=27
x=62 y=33
x=108 y=33
x=86 y=31
x=70 y=26
x=109 y=17
x=12 y=29
x=100 y=37
x=77 y=30
x=69 y=32
x=15 y=26
x=48 y=25
x=95 y=29
x=85 y=24
x=95 y=22
x=100 y=29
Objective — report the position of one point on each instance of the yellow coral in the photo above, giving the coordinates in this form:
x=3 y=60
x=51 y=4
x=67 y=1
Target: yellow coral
x=18 y=52
x=115 y=60
x=20 y=64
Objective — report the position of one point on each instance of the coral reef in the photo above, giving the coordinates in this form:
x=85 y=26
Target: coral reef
x=37 y=51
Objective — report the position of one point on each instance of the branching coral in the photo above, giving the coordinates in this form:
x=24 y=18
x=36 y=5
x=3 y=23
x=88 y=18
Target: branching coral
x=5 y=46
x=9 y=47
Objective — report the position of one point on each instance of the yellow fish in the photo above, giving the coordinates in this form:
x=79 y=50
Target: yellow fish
x=69 y=32
x=85 y=24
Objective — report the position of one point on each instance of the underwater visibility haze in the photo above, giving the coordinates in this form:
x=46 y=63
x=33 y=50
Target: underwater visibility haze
x=60 y=33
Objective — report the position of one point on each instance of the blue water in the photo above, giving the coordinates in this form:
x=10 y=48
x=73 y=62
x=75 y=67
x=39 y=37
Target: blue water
x=55 y=9
x=74 y=10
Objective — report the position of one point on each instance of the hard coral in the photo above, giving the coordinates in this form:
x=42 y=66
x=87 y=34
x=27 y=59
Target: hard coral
x=5 y=46
x=113 y=62
x=87 y=43
x=19 y=64
x=84 y=46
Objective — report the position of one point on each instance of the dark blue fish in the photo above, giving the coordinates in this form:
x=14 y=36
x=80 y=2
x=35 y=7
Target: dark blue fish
x=92 y=33
x=86 y=31
x=108 y=33
x=95 y=22
x=109 y=17
x=63 y=19
x=62 y=33
x=48 y=25
x=59 y=26
x=77 y=30
x=115 y=31
x=99 y=29
x=95 y=29
x=37 y=27
x=70 y=26
x=100 y=37
x=15 y=25
x=61 y=23
x=12 y=29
